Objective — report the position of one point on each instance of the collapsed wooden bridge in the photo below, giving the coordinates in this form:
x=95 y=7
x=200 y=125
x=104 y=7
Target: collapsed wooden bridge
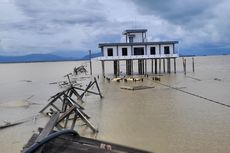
x=69 y=141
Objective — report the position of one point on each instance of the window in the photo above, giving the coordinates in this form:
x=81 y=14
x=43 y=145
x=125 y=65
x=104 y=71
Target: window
x=110 y=51
x=139 y=51
x=152 y=50
x=124 y=52
x=166 y=50
x=130 y=39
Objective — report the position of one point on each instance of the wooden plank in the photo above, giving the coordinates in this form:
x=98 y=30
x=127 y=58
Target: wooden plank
x=77 y=95
x=89 y=91
x=67 y=113
x=86 y=89
x=49 y=127
x=11 y=124
x=136 y=87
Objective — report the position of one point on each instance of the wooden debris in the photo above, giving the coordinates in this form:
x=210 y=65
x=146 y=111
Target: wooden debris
x=79 y=70
x=136 y=87
x=8 y=124
x=156 y=78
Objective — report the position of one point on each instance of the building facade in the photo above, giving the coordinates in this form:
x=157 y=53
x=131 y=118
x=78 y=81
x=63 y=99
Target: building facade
x=136 y=47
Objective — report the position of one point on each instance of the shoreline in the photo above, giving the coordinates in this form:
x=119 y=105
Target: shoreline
x=75 y=60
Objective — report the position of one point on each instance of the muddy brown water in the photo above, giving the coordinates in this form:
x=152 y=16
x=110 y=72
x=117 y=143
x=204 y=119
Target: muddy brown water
x=159 y=119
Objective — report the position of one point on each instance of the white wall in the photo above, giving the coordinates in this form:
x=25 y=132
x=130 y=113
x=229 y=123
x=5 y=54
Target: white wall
x=130 y=52
x=137 y=38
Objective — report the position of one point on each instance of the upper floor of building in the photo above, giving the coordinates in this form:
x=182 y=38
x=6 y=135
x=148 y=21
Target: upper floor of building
x=137 y=47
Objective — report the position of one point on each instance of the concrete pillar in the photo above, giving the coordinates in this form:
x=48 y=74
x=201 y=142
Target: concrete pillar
x=116 y=68
x=155 y=66
x=128 y=67
x=131 y=67
x=140 y=67
x=164 y=65
x=168 y=65
x=159 y=66
x=152 y=65
x=146 y=66
x=174 y=65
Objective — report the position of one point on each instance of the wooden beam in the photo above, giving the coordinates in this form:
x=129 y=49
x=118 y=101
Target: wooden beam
x=49 y=127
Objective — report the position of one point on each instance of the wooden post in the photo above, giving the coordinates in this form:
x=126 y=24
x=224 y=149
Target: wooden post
x=90 y=63
x=193 y=65
x=98 y=87
x=174 y=65
x=103 y=68
x=184 y=65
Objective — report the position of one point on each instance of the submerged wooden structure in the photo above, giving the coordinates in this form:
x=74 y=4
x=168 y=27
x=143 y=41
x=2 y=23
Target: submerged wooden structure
x=68 y=102
x=59 y=135
x=69 y=141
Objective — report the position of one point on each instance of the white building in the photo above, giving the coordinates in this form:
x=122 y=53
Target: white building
x=138 y=48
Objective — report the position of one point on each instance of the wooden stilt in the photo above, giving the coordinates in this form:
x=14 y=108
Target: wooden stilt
x=103 y=68
x=184 y=65
x=174 y=65
x=193 y=65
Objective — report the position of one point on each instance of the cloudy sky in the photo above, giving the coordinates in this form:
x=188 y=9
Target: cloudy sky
x=46 y=26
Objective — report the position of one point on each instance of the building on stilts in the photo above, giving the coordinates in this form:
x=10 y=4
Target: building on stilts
x=162 y=54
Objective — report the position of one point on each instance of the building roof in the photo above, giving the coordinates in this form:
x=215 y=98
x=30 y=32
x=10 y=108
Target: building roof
x=138 y=43
x=134 y=31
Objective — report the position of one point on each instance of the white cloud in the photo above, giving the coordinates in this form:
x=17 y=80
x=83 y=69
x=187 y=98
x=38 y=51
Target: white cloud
x=55 y=25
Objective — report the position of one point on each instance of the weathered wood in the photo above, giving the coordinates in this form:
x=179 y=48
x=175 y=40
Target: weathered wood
x=11 y=124
x=74 y=121
x=98 y=87
x=136 y=87
x=87 y=88
x=77 y=95
x=67 y=113
x=81 y=115
x=49 y=127
x=89 y=91
x=193 y=65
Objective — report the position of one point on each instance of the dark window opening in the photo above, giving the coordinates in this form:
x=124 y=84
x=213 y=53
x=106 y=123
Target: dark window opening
x=124 y=52
x=110 y=51
x=166 y=50
x=139 y=51
x=130 y=39
x=153 y=50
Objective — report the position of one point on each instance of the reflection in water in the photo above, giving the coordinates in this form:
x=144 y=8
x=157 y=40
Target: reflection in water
x=159 y=119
